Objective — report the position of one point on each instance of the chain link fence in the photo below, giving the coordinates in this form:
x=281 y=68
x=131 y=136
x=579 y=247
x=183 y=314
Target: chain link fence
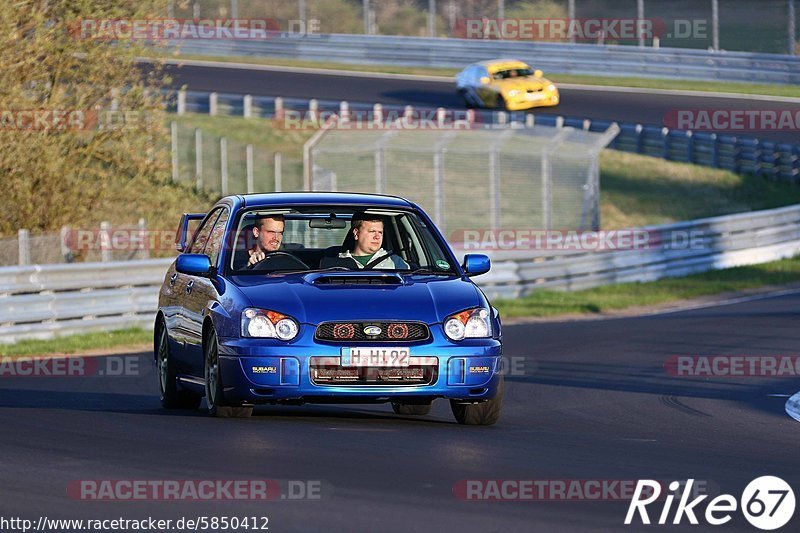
x=471 y=179
x=766 y=26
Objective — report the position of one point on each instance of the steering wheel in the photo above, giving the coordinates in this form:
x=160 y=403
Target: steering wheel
x=280 y=261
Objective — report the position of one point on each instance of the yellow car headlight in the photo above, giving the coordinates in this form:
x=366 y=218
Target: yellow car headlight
x=551 y=88
x=512 y=93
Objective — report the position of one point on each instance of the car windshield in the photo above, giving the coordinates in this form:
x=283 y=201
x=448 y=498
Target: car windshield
x=513 y=73
x=273 y=241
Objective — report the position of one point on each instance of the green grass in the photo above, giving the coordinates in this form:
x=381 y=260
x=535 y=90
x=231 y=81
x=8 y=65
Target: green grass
x=78 y=343
x=545 y=303
x=608 y=81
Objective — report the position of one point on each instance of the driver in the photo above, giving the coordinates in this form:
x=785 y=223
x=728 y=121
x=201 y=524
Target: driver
x=268 y=235
x=367 y=231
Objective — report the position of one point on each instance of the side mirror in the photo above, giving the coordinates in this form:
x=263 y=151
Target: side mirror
x=194 y=265
x=538 y=73
x=485 y=80
x=476 y=264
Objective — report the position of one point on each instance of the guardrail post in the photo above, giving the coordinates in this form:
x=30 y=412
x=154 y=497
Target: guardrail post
x=247 y=106
x=440 y=116
x=587 y=124
x=278 y=107
x=408 y=113
x=559 y=122
x=665 y=139
x=344 y=112
x=639 y=138
x=530 y=120
x=223 y=165
x=105 y=242
x=502 y=117
x=24 y=246
x=313 y=110
x=377 y=114
x=249 y=168
x=690 y=146
x=212 y=104
x=278 y=172
x=173 y=128
x=181 y=101
x=198 y=157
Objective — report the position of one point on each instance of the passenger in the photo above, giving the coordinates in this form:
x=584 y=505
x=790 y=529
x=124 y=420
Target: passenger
x=367 y=231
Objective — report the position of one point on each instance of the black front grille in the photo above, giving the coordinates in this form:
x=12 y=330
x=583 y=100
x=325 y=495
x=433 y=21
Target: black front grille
x=357 y=331
x=337 y=375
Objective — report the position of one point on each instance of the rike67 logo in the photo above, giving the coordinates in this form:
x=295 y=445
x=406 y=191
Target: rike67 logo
x=767 y=503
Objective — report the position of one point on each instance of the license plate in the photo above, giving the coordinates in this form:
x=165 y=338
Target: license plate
x=535 y=96
x=390 y=357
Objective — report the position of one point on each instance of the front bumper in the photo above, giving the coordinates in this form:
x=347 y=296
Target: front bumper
x=522 y=101
x=307 y=370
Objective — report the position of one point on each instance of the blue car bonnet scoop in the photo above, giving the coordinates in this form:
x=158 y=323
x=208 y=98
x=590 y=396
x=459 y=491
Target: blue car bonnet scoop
x=354 y=278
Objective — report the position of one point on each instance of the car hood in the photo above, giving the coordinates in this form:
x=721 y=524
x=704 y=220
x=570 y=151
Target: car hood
x=318 y=297
x=524 y=84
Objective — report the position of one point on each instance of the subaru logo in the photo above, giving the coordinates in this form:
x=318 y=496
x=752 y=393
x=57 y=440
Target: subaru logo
x=372 y=331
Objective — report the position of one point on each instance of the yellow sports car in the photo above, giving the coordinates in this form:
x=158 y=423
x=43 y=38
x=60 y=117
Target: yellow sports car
x=505 y=84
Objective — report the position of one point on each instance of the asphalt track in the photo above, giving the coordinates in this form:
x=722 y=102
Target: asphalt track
x=595 y=103
x=590 y=401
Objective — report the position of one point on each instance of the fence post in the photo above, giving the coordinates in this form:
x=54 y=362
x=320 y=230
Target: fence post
x=196 y=10
x=530 y=120
x=24 y=243
x=377 y=114
x=792 y=28
x=715 y=24
x=145 y=240
x=344 y=112
x=639 y=138
x=559 y=122
x=66 y=251
x=105 y=242
x=502 y=117
x=223 y=166
x=714 y=150
x=198 y=157
x=249 y=165
x=212 y=104
x=278 y=107
x=665 y=138
x=181 y=101
x=690 y=146
x=173 y=127
x=441 y=116
x=247 y=106
x=278 y=172
x=380 y=178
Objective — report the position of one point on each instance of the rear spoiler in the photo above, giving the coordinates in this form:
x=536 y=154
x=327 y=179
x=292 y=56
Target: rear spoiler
x=182 y=236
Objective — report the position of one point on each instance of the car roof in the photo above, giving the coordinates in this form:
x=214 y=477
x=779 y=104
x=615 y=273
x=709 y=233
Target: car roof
x=493 y=65
x=321 y=198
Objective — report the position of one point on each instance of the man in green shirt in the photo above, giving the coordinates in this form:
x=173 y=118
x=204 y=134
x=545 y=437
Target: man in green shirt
x=368 y=234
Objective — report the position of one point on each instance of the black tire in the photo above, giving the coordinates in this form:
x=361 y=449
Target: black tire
x=215 y=396
x=171 y=396
x=480 y=414
x=465 y=100
x=501 y=103
x=408 y=409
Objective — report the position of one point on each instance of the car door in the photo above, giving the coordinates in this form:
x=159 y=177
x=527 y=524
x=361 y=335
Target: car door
x=183 y=332
x=200 y=295
x=486 y=92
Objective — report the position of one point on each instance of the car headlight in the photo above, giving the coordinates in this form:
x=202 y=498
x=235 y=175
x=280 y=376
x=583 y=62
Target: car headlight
x=512 y=93
x=470 y=324
x=551 y=88
x=262 y=323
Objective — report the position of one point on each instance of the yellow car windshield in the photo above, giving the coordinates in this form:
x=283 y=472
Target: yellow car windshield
x=513 y=73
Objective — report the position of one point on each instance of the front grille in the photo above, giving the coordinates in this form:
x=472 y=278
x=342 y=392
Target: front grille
x=337 y=375
x=358 y=331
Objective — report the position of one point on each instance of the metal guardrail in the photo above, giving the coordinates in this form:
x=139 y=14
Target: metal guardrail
x=739 y=154
x=589 y=59
x=44 y=301
x=678 y=250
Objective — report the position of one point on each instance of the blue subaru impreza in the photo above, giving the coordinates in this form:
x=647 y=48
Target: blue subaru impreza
x=325 y=297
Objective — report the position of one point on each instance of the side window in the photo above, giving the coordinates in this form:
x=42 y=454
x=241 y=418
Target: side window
x=201 y=236
x=482 y=73
x=217 y=237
